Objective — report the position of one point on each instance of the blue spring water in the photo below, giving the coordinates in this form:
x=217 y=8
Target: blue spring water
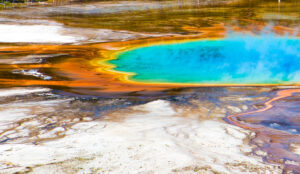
x=267 y=59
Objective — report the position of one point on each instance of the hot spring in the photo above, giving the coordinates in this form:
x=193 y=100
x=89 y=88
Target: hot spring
x=244 y=59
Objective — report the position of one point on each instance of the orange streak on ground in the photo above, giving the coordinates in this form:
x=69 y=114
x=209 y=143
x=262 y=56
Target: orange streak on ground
x=268 y=105
x=272 y=141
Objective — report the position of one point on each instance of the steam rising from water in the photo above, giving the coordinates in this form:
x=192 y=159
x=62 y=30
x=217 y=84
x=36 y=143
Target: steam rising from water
x=237 y=59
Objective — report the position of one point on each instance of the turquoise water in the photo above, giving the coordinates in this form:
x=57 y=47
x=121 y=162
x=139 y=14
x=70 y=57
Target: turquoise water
x=233 y=60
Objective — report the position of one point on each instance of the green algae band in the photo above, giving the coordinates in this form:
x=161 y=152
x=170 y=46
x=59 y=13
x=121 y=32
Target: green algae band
x=234 y=60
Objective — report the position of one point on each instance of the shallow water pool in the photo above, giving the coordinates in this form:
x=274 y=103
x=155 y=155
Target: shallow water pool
x=233 y=60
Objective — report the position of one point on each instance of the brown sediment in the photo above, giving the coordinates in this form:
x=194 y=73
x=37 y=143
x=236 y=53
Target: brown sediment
x=255 y=26
x=276 y=143
x=285 y=30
